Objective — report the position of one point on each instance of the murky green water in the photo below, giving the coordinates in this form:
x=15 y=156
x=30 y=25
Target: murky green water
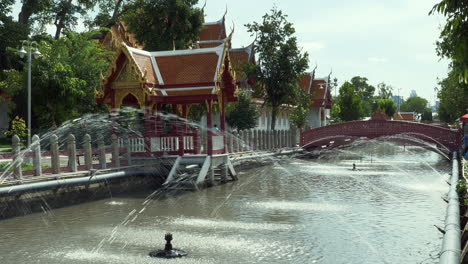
x=291 y=211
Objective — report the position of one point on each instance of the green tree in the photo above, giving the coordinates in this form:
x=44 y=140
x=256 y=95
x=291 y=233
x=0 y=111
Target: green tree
x=426 y=115
x=242 y=114
x=298 y=116
x=18 y=127
x=453 y=96
x=367 y=93
x=280 y=61
x=64 y=80
x=453 y=43
x=110 y=11
x=388 y=106
x=165 y=24
x=63 y=14
x=414 y=104
x=335 y=113
x=350 y=103
x=385 y=91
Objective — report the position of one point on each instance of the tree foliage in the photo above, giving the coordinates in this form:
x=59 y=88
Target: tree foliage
x=299 y=113
x=165 y=24
x=453 y=96
x=414 y=104
x=63 y=80
x=18 y=127
x=63 y=14
x=350 y=103
x=367 y=91
x=280 y=61
x=388 y=106
x=453 y=43
x=242 y=114
x=385 y=90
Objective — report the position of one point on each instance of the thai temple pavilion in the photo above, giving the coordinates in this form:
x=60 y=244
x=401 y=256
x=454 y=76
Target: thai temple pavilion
x=205 y=74
x=148 y=80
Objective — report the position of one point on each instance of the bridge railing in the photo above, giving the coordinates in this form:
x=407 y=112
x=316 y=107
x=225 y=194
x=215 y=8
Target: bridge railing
x=378 y=128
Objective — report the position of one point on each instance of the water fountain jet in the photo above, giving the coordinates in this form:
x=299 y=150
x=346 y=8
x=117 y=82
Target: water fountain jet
x=168 y=251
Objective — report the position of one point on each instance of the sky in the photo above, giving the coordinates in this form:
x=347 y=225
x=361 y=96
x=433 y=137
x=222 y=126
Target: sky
x=385 y=41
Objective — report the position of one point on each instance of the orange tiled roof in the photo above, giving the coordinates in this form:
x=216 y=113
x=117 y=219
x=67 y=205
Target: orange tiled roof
x=180 y=72
x=213 y=31
x=188 y=68
x=145 y=65
x=319 y=88
x=305 y=82
x=209 y=44
x=239 y=57
x=407 y=116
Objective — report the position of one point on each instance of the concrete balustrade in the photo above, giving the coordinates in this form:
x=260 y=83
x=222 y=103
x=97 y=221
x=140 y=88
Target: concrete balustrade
x=72 y=152
x=36 y=148
x=17 y=158
x=115 y=150
x=102 y=153
x=88 y=156
x=260 y=140
x=237 y=141
x=55 y=155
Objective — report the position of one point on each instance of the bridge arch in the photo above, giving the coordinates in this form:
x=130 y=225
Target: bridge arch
x=344 y=133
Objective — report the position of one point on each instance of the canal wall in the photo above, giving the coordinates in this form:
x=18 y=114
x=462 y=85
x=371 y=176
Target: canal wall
x=451 y=243
x=19 y=200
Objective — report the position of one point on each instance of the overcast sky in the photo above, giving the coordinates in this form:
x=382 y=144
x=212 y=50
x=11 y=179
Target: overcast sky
x=385 y=41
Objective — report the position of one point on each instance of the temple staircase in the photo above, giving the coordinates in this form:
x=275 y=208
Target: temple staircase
x=195 y=171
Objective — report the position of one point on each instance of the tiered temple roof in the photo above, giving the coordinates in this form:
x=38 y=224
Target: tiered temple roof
x=318 y=88
x=212 y=34
x=191 y=75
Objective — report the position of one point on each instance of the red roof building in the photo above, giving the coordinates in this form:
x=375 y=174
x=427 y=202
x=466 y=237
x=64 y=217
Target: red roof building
x=320 y=95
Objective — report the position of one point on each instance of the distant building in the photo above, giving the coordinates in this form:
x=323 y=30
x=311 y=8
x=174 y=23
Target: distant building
x=397 y=99
x=413 y=93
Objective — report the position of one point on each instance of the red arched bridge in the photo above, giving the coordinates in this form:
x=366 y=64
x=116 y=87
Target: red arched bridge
x=412 y=132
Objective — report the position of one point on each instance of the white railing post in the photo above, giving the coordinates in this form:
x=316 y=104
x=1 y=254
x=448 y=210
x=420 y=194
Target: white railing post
x=17 y=159
x=36 y=148
x=241 y=140
x=270 y=139
x=237 y=141
x=102 y=153
x=128 y=152
x=262 y=140
x=55 y=156
x=246 y=140
x=115 y=151
x=72 y=152
x=255 y=140
x=88 y=155
x=231 y=142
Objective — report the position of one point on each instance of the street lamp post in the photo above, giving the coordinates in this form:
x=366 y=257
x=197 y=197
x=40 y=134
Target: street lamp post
x=30 y=53
x=335 y=84
x=399 y=99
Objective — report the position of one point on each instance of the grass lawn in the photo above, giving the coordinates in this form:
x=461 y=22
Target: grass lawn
x=24 y=166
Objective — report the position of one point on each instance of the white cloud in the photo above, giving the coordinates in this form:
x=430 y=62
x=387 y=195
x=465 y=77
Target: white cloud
x=377 y=59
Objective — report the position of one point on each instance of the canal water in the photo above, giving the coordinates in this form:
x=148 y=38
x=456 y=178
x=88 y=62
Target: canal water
x=291 y=210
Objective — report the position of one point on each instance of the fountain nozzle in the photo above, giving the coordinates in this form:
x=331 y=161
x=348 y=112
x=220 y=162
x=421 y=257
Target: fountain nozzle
x=168 y=251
